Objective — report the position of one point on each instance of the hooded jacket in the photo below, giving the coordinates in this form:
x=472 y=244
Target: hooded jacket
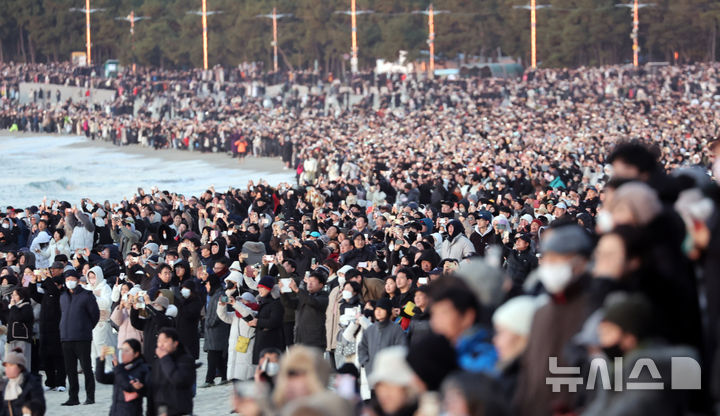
x=254 y=250
x=457 y=246
x=482 y=241
x=82 y=230
x=41 y=247
x=62 y=246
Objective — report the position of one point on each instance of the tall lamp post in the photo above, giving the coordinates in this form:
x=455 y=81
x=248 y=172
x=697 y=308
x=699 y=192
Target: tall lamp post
x=88 y=44
x=533 y=7
x=635 y=12
x=430 y=12
x=132 y=19
x=275 y=16
x=353 y=13
x=204 y=13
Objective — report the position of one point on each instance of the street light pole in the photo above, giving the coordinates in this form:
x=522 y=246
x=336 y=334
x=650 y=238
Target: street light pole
x=431 y=12
x=132 y=19
x=275 y=40
x=636 y=29
x=354 y=12
x=88 y=43
x=204 y=13
x=87 y=32
x=533 y=34
x=431 y=38
x=635 y=6
x=275 y=16
x=533 y=7
x=204 y=26
x=353 y=21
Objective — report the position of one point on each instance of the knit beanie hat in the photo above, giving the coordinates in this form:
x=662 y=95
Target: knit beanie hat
x=267 y=282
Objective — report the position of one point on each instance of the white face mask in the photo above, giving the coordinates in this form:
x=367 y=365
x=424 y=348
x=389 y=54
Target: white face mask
x=124 y=297
x=341 y=280
x=272 y=369
x=71 y=284
x=604 y=221
x=230 y=292
x=185 y=292
x=555 y=277
x=346 y=294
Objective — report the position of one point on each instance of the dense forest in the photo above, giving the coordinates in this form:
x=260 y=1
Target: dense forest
x=570 y=33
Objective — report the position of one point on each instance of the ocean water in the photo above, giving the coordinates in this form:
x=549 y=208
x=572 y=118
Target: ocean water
x=35 y=167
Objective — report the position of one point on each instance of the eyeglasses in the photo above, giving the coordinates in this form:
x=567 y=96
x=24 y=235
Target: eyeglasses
x=296 y=373
x=126 y=349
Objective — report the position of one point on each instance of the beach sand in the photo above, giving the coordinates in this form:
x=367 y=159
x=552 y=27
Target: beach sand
x=271 y=165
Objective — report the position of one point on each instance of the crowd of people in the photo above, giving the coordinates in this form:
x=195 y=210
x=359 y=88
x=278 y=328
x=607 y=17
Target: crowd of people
x=459 y=247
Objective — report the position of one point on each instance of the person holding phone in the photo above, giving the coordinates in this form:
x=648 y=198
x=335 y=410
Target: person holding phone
x=310 y=302
x=45 y=290
x=129 y=377
x=238 y=314
x=217 y=333
x=172 y=377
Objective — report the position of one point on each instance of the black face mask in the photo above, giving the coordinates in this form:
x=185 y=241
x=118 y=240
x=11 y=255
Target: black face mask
x=613 y=351
x=368 y=313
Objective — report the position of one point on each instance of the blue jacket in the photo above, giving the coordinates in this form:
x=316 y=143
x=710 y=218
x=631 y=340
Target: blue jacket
x=80 y=314
x=476 y=352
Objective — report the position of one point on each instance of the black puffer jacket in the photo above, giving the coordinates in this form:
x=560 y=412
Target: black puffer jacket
x=310 y=324
x=120 y=379
x=269 y=328
x=151 y=327
x=32 y=391
x=173 y=377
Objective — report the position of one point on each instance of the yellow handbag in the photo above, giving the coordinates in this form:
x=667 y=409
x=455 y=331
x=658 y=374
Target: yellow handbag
x=242 y=343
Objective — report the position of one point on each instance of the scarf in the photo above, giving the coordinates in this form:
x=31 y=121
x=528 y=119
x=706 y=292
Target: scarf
x=14 y=388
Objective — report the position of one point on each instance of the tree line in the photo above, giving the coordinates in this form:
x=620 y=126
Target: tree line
x=569 y=33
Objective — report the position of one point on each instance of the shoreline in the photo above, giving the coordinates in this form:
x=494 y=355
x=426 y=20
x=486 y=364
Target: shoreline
x=260 y=165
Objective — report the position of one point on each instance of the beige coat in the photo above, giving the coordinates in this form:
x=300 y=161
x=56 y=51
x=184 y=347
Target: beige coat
x=372 y=289
x=332 y=318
